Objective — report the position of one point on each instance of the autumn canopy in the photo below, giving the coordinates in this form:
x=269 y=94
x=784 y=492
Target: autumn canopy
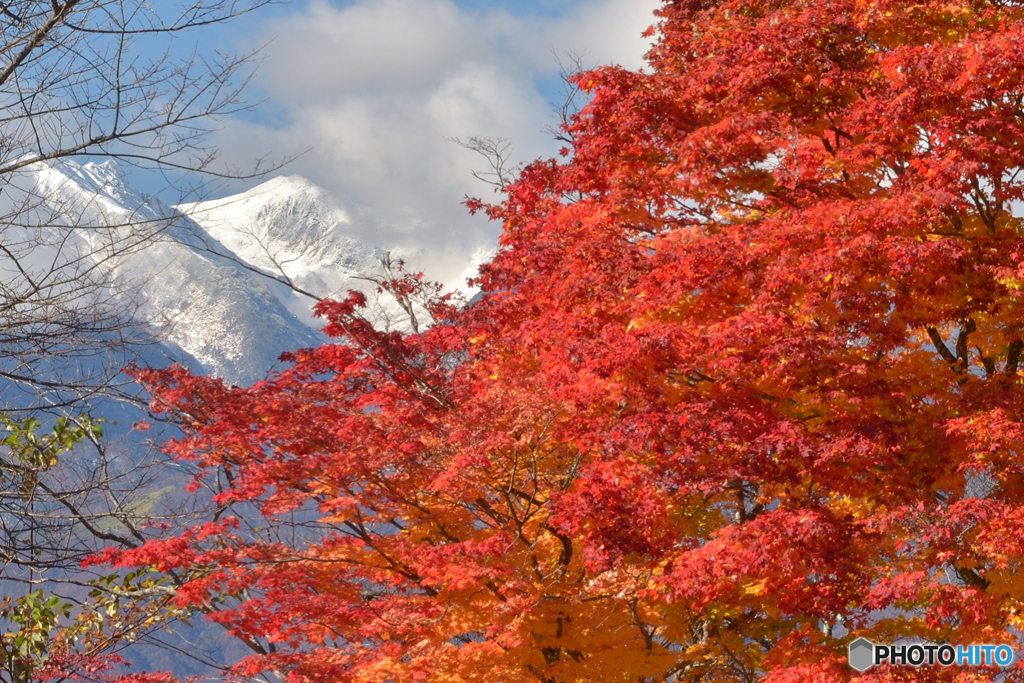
x=742 y=385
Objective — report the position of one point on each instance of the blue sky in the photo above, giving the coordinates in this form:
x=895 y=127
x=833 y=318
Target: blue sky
x=545 y=8
x=369 y=91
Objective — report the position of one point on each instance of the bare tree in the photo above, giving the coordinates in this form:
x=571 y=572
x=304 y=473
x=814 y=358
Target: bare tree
x=94 y=78
x=83 y=79
x=100 y=78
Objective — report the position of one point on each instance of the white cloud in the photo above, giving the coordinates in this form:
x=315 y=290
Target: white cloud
x=375 y=88
x=609 y=32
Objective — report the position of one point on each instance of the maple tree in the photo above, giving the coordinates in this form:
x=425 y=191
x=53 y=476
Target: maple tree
x=743 y=384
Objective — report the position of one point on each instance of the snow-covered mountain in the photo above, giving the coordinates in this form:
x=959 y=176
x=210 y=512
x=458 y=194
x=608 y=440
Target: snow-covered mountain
x=205 y=271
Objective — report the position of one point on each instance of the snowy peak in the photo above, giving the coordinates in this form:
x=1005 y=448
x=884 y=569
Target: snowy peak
x=286 y=213
x=95 y=194
x=292 y=228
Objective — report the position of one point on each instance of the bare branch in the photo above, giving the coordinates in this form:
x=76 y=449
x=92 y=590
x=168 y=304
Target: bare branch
x=499 y=174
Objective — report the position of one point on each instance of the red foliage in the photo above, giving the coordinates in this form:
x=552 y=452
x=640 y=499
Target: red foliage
x=745 y=366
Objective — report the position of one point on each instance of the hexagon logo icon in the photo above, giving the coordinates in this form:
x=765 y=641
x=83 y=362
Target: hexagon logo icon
x=861 y=654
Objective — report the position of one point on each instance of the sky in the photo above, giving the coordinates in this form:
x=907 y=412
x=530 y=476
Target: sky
x=367 y=95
